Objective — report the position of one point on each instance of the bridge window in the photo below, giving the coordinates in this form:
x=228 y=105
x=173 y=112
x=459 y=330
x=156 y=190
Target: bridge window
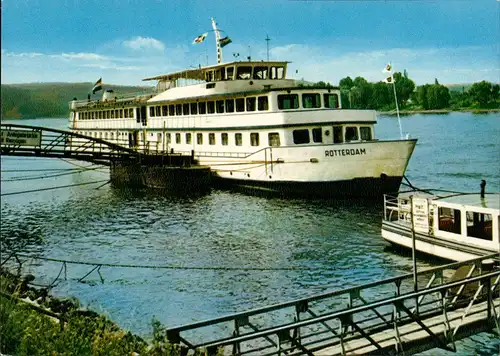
x=178 y=109
x=125 y=114
x=211 y=138
x=262 y=103
x=277 y=72
x=224 y=139
x=230 y=105
x=260 y=72
x=194 y=108
x=188 y=138
x=220 y=106
x=240 y=105
x=301 y=136
x=210 y=107
x=185 y=109
x=254 y=139
x=331 y=101
x=351 y=133
x=274 y=139
x=311 y=100
x=251 y=104
x=171 y=110
x=177 y=138
x=199 y=138
x=164 y=110
x=365 y=133
x=238 y=139
x=131 y=113
x=479 y=225
x=449 y=220
x=229 y=73
x=202 y=108
x=243 y=72
x=288 y=101
x=317 y=136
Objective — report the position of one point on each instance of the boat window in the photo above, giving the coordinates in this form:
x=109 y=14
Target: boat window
x=125 y=114
x=262 y=103
x=337 y=134
x=351 y=133
x=117 y=112
x=301 y=136
x=449 y=220
x=164 y=110
x=331 y=101
x=224 y=139
x=238 y=139
x=274 y=139
x=317 y=135
x=210 y=107
x=130 y=113
x=260 y=72
x=251 y=104
x=230 y=105
x=202 y=108
x=112 y=114
x=171 y=110
x=254 y=138
x=229 y=73
x=194 y=108
x=93 y=115
x=479 y=225
x=288 y=101
x=199 y=138
x=311 y=100
x=219 y=74
x=365 y=133
x=178 y=109
x=209 y=76
x=100 y=114
x=185 y=109
x=169 y=138
x=240 y=104
x=188 y=138
x=211 y=138
x=220 y=106
x=177 y=138
x=243 y=72
x=106 y=135
x=276 y=73
x=158 y=111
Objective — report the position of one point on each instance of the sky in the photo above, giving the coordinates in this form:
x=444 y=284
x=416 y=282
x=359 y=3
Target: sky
x=124 y=41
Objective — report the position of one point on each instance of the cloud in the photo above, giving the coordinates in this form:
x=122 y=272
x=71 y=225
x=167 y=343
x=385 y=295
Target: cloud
x=144 y=43
x=82 y=56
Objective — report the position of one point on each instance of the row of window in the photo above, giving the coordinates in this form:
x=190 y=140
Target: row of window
x=249 y=104
x=245 y=72
x=211 y=107
x=479 y=225
x=107 y=114
x=273 y=138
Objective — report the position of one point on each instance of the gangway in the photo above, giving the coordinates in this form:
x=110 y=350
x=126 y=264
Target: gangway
x=389 y=316
x=37 y=141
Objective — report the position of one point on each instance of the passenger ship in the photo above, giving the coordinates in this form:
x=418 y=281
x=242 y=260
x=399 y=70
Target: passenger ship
x=254 y=128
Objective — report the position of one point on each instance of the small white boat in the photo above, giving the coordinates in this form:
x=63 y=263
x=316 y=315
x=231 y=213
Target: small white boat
x=456 y=227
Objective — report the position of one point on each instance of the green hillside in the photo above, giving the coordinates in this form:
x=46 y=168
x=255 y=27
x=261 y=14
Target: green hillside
x=36 y=100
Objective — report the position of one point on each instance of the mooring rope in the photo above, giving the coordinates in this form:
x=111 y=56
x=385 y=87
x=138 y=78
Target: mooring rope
x=52 y=188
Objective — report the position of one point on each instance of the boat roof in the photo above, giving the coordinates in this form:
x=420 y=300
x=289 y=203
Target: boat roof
x=490 y=201
x=199 y=73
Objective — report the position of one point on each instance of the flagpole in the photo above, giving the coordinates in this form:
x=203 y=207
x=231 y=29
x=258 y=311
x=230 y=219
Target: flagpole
x=217 y=41
x=397 y=107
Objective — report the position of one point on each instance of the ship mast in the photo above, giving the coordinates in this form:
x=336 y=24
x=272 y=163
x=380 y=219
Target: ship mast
x=217 y=41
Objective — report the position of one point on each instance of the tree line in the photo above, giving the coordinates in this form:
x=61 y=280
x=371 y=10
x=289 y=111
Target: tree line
x=358 y=93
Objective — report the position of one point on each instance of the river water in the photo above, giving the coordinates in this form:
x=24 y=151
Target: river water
x=332 y=245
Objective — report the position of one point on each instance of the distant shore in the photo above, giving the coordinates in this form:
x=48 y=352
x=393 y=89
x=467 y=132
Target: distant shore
x=440 y=111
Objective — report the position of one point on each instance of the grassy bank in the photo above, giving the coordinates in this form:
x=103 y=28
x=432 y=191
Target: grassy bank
x=34 y=323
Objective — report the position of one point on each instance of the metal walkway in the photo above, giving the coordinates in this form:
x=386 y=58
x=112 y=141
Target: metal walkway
x=382 y=317
x=35 y=141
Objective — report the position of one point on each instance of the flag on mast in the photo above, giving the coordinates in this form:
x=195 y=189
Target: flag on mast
x=200 y=38
x=389 y=79
x=97 y=86
x=388 y=68
x=224 y=41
